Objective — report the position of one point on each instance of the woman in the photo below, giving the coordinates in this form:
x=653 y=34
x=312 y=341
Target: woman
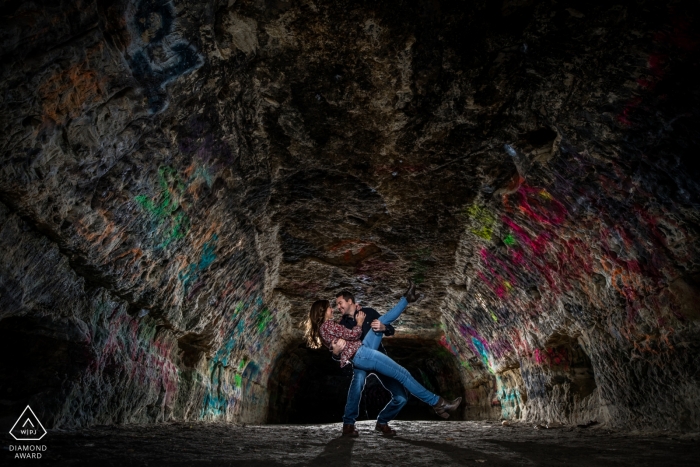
x=364 y=354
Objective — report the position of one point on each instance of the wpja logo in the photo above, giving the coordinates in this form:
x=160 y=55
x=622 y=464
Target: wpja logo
x=28 y=428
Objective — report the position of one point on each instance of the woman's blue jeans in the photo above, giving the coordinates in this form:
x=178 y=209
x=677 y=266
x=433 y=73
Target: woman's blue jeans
x=369 y=359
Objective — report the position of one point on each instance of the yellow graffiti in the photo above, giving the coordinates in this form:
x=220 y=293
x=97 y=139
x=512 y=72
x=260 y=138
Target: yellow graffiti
x=482 y=221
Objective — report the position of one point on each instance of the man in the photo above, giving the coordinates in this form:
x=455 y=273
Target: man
x=399 y=397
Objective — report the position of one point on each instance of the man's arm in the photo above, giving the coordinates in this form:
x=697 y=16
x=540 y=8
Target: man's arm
x=373 y=315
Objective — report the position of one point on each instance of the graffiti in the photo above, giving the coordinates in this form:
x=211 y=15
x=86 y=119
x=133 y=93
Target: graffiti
x=538 y=204
x=157 y=55
x=192 y=272
x=510 y=402
x=263 y=319
x=165 y=207
x=66 y=93
x=552 y=357
x=249 y=331
x=482 y=221
x=569 y=247
x=131 y=352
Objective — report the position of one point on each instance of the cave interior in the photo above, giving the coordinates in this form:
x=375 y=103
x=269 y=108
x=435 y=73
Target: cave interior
x=180 y=180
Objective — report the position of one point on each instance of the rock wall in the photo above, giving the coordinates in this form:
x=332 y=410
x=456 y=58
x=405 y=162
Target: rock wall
x=128 y=245
x=576 y=282
x=179 y=180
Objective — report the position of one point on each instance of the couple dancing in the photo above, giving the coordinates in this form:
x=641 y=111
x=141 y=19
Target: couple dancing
x=357 y=340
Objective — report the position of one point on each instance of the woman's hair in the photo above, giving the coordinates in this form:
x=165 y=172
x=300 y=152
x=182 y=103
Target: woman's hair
x=317 y=315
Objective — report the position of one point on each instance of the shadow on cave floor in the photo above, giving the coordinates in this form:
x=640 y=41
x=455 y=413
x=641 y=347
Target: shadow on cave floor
x=419 y=443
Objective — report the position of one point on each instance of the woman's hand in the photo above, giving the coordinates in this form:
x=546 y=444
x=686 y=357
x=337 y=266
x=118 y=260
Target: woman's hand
x=360 y=317
x=337 y=346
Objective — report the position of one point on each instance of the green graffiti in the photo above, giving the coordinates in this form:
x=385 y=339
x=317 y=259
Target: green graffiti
x=165 y=207
x=263 y=319
x=509 y=239
x=482 y=221
x=238 y=380
x=493 y=316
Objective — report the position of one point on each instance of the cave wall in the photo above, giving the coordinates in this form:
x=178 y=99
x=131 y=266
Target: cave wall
x=179 y=180
x=132 y=243
x=584 y=263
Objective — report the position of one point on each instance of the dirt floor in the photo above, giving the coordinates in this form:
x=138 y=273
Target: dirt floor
x=418 y=443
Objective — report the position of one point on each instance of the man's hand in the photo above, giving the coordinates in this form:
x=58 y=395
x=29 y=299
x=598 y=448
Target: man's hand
x=377 y=326
x=338 y=346
x=360 y=317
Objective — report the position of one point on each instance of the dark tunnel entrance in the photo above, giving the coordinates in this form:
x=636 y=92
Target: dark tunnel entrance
x=307 y=386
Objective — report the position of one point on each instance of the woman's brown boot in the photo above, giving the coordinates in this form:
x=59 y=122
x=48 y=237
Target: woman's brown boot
x=411 y=295
x=442 y=406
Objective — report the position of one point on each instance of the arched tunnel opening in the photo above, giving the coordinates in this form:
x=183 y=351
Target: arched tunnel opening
x=306 y=385
x=180 y=180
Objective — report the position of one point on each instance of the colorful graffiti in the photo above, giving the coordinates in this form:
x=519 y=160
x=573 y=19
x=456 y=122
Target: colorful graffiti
x=165 y=207
x=588 y=243
x=157 y=55
x=131 y=352
x=250 y=330
x=191 y=273
x=67 y=93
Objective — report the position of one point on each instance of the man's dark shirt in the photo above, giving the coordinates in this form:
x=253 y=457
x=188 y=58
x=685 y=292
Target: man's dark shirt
x=370 y=315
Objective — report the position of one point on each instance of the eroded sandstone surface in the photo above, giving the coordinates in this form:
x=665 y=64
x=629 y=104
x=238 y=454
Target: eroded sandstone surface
x=417 y=443
x=180 y=180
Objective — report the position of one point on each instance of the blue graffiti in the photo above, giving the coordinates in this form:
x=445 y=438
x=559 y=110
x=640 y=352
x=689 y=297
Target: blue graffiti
x=156 y=55
x=193 y=271
x=479 y=346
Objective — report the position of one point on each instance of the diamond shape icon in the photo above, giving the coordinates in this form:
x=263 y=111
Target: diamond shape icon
x=28 y=427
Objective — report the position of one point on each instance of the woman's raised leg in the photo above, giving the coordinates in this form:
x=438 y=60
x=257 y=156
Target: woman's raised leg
x=373 y=339
x=372 y=360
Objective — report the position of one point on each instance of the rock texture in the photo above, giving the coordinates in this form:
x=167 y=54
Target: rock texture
x=418 y=443
x=180 y=180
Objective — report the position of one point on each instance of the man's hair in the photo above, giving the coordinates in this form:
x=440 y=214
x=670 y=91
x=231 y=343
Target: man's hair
x=347 y=296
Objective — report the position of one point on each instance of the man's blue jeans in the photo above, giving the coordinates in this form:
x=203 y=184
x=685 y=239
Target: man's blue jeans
x=399 y=397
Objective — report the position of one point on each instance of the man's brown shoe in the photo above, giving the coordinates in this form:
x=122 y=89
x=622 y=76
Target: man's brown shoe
x=385 y=429
x=349 y=431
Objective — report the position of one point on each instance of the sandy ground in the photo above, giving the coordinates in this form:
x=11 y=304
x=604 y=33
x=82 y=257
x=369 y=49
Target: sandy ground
x=418 y=443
